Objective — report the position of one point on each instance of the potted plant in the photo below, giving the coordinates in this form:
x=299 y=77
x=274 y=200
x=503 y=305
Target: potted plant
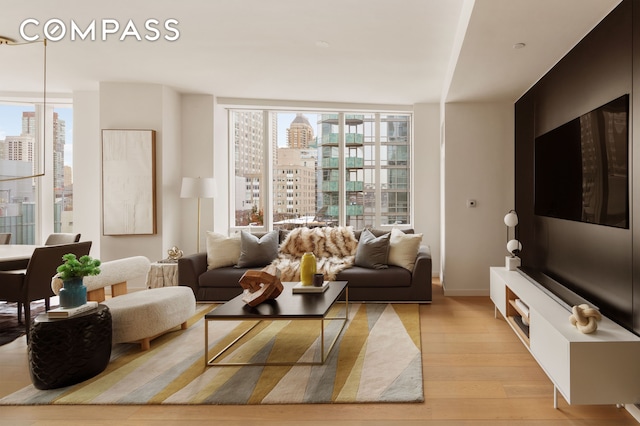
x=69 y=279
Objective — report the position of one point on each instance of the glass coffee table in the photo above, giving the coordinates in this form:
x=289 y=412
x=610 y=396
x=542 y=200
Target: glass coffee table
x=288 y=306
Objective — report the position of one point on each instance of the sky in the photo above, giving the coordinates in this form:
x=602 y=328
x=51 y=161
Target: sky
x=11 y=125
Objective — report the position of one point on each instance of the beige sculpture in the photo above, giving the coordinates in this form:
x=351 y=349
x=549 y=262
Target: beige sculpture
x=174 y=253
x=261 y=285
x=585 y=318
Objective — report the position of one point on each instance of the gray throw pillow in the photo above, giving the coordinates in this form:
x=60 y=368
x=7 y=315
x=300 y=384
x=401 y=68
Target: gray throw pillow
x=256 y=251
x=372 y=251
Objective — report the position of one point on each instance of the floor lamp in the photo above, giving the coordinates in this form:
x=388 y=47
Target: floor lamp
x=198 y=188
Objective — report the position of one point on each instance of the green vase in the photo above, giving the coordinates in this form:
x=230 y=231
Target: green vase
x=307 y=268
x=73 y=294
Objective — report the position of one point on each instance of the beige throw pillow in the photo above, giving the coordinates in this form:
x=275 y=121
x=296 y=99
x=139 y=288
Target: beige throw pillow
x=222 y=250
x=404 y=249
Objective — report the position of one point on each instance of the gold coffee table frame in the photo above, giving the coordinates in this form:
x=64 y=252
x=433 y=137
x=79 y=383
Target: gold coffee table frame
x=324 y=350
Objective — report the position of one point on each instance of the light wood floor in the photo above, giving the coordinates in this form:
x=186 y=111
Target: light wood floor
x=476 y=372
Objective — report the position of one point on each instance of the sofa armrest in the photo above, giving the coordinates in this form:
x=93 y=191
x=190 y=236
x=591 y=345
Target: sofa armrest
x=422 y=270
x=190 y=268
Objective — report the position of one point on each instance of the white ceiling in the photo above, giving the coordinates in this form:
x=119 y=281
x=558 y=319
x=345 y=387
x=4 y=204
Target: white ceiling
x=379 y=51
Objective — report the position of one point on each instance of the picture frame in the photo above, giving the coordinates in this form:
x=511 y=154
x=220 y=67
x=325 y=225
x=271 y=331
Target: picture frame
x=128 y=182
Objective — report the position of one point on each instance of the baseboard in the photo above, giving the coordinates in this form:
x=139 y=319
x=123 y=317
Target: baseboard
x=466 y=292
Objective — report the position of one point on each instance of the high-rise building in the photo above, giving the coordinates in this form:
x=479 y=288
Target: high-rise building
x=59 y=138
x=249 y=147
x=300 y=133
x=294 y=189
x=29 y=126
x=19 y=148
x=29 y=123
x=366 y=196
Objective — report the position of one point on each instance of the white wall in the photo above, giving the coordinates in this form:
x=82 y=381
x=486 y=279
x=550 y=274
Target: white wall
x=223 y=204
x=479 y=165
x=169 y=174
x=154 y=107
x=426 y=183
x=197 y=147
x=184 y=147
x=87 y=166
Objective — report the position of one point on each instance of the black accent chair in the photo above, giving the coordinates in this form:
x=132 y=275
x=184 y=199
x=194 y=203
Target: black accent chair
x=34 y=283
x=61 y=238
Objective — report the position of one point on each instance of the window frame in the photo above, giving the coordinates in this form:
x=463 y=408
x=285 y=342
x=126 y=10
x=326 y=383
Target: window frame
x=270 y=171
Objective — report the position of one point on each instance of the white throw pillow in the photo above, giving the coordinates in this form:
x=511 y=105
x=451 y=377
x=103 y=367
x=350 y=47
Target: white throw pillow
x=404 y=249
x=222 y=250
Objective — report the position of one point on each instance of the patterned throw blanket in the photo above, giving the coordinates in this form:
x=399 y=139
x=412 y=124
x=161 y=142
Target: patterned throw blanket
x=334 y=248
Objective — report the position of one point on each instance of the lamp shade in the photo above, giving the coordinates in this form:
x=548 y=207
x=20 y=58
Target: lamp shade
x=511 y=219
x=198 y=188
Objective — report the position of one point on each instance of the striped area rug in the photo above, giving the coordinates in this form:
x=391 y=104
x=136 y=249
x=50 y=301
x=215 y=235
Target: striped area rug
x=377 y=358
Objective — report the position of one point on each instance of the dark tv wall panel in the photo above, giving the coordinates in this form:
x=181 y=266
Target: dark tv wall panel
x=595 y=261
x=634 y=154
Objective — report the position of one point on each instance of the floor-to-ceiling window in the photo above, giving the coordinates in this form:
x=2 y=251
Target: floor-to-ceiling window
x=305 y=168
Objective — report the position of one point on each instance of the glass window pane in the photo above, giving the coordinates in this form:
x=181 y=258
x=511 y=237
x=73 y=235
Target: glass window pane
x=359 y=133
x=18 y=158
x=295 y=169
x=329 y=169
x=394 y=173
x=62 y=169
x=249 y=150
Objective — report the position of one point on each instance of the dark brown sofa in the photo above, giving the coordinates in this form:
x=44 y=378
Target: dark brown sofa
x=394 y=284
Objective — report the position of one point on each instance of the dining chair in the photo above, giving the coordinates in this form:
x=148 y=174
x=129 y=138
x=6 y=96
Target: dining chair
x=34 y=283
x=5 y=238
x=61 y=238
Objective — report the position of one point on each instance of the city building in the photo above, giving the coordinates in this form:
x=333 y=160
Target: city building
x=295 y=185
x=300 y=132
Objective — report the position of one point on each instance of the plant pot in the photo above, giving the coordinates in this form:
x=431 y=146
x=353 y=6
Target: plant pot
x=73 y=293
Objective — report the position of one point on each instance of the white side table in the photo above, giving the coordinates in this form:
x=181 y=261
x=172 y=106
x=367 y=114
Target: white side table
x=162 y=274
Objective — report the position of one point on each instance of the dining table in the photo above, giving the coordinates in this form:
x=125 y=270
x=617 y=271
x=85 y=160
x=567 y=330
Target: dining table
x=15 y=256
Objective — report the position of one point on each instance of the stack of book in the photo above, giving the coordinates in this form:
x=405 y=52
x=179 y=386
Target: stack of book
x=69 y=312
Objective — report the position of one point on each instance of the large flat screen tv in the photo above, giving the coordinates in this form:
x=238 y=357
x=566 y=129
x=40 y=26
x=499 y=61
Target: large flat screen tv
x=582 y=168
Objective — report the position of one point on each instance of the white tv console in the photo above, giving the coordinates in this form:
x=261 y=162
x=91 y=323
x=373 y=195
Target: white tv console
x=598 y=368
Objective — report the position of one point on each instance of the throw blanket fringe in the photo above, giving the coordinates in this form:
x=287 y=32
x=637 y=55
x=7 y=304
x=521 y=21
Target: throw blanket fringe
x=334 y=248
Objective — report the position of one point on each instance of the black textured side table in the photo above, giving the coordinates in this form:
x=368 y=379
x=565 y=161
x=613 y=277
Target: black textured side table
x=63 y=352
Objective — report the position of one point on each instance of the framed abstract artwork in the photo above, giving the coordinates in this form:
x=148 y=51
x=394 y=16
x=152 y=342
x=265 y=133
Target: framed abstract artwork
x=128 y=182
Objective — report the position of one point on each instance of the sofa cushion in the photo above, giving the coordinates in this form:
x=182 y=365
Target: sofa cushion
x=222 y=277
x=256 y=251
x=372 y=251
x=222 y=250
x=403 y=248
x=359 y=277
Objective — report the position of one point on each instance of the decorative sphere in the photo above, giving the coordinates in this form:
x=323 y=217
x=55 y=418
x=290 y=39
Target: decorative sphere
x=514 y=246
x=511 y=219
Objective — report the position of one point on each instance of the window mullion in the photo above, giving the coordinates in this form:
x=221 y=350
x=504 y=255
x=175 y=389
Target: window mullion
x=378 y=200
x=267 y=176
x=342 y=193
